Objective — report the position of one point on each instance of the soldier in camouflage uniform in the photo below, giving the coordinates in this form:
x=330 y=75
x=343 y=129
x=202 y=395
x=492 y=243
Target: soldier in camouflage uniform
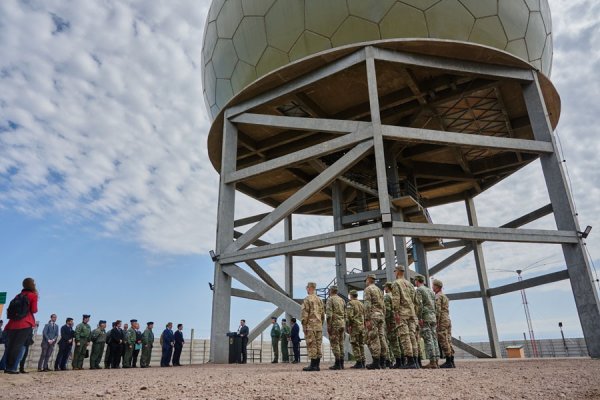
x=444 y=325
x=425 y=310
x=130 y=337
x=375 y=323
x=335 y=309
x=355 y=325
x=313 y=315
x=394 y=350
x=404 y=313
x=98 y=338
x=285 y=339
x=82 y=336
x=147 y=344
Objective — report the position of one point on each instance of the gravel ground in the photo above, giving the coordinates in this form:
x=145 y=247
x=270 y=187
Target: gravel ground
x=505 y=379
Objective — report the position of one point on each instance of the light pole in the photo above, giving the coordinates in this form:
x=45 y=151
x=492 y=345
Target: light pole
x=563 y=338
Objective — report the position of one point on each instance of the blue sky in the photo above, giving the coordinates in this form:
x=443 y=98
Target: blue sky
x=108 y=200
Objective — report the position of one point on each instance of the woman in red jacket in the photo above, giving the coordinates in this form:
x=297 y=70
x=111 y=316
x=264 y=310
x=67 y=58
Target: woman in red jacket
x=19 y=330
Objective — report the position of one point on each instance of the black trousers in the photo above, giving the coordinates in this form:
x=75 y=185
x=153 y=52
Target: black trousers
x=115 y=355
x=244 y=349
x=63 y=355
x=16 y=341
x=134 y=357
x=296 y=348
x=177 y=353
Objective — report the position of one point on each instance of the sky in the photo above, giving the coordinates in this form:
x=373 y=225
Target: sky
x=108 y=200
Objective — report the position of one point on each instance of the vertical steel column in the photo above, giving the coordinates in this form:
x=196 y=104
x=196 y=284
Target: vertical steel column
x=488 y=308
x=365 y=245
x=340 y=249
x=380 y=166
x=421 y=266
x=289 y=262
x=221 y=306
x=586 y=298
x=399 y=241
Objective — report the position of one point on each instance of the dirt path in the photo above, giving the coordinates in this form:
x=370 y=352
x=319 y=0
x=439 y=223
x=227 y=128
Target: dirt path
x=531 y=379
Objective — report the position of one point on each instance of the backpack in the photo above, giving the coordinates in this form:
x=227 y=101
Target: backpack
x=18 y=307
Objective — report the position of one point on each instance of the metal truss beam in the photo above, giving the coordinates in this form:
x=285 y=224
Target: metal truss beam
x=529 y=283
x=300 y=123
x=318 y=150
x=484 y=233
x=249 y=220
x=307 y=243
x=294 y=201
x=469 y=349
x=262 y=289
x=474 y=294
x=452 y=65
x=264 y=324
x=264 y=275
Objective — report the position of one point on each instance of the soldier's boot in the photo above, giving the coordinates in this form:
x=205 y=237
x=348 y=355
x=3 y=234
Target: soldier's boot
x=311 y=367
x=447 y=364
x=375 y=364
x=432 y=364
x=410 y=363
x=452 y=361
x=419 y=362
x=318 y=365
x=342 y=363
x=398 y=363
x=383 y=363
x=357 y=365
x=336 y=366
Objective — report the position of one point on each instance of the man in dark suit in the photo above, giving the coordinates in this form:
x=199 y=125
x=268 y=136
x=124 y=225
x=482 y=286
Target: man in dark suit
x=117 y=337
x=64 y=345
x=243 y=331
x=295 y=338
x=178 y=345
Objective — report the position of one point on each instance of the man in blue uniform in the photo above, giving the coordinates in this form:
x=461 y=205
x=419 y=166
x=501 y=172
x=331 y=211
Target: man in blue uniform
x=64 y=345
x=244 y=331
x=295 y=338
x=179 y=341
x=168 y=340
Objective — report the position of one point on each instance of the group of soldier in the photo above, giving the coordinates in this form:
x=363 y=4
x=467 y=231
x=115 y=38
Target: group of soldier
x=118 y=345
x=390 y=324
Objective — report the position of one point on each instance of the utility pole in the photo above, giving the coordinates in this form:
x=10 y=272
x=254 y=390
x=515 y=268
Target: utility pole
x=528 y=317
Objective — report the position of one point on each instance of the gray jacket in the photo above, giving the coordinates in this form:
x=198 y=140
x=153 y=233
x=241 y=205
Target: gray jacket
x=50 y=332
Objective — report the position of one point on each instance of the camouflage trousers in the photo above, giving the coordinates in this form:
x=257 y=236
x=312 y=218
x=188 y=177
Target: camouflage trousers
x=336 y=338
x=403 y=333
x=444 y=336
x=428 y=332
x=376 y=338
x=314 y=340
x=357 y=340
x=413 y=327
x=393 y=342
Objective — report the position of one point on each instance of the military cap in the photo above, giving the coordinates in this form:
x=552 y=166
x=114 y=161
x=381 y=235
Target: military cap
x=149 y=323
x=311 y=284
x=86 y=316
x=132 y=320
x=388 y=285
x=438 y=283
x=101 y=322
x=399 y=267
x=283 y=320
x=334 y=288
x=420 y=278
x=372 y=276
x=274 y=317
x=353 y=293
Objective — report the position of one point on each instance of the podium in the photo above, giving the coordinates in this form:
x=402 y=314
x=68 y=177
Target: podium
x=235 y=348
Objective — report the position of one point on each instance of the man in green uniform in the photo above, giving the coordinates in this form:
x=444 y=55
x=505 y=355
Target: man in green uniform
x=285 y=338
x=394 y=351
x=130 y=337
x=404 y=314
x=444 y=325
x=375 y=323
x=313 y=315
x=335 y=309
x=275 y=335
x=425 y=310
x=98 y=338
x=355 y=325
x=147 y=344
x=82 y=336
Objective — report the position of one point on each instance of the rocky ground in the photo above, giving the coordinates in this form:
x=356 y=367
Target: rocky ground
x=507 y=379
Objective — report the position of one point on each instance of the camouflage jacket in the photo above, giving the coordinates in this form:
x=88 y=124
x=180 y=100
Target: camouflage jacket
x=147 y=337
x=336 y=312
x=442 y=309
x=403 y=298
x=130 y=336
x=313 y=313
x=374 y=307
x=98 y=336
x=355 y=314
x=82 y=332
x=389 y=313
x=425 y=304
